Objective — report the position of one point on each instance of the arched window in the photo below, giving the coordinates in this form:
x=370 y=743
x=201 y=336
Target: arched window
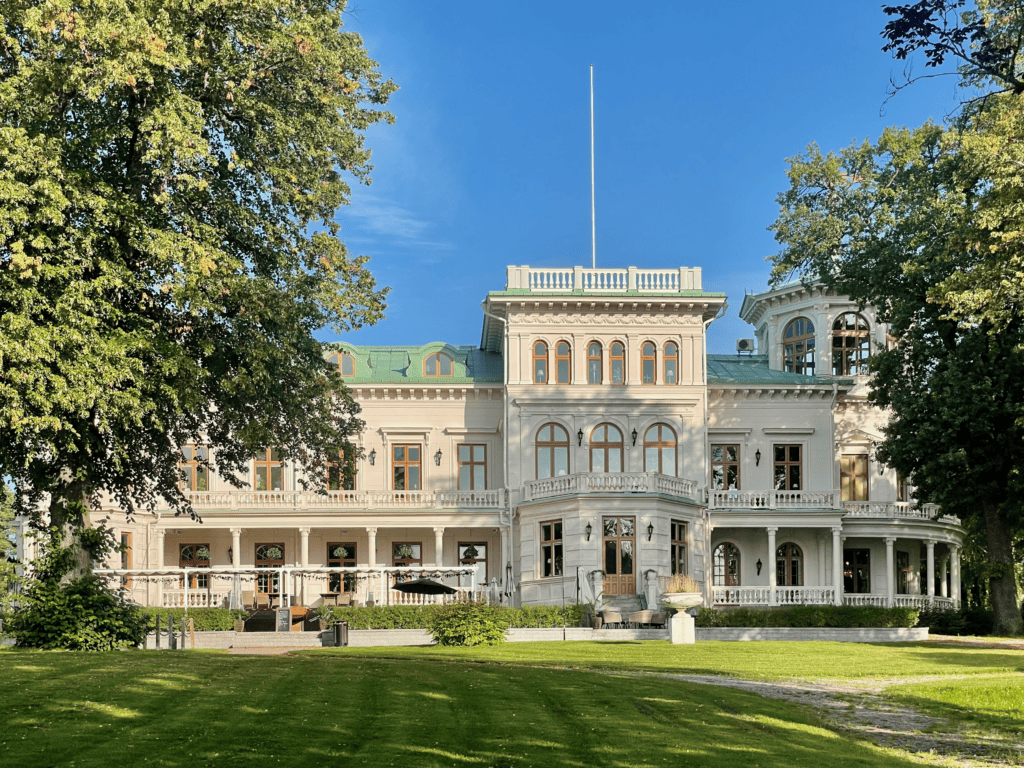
x=346 y=365
x=660 y=449
x=671 y=363
x=648 y=363
x=606 y=449
x=798 y=347
x=595 y=363
x=563 y=363
x=437 y=364
x=789 y=566
x=851 y=345
x=552 y=451
x=617 y=360
x=725 y=563
x=540 y=363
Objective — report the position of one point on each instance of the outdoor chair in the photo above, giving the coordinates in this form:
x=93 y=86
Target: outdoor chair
x=611 y=617
x=248 y=600
x=640 y=618
x=659 y=619
x=262 y=601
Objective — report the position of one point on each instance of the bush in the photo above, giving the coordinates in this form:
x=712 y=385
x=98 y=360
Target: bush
x=833 y=616
x=421 y=616
x=966 y=621
x=203 y=619
x=468 y=623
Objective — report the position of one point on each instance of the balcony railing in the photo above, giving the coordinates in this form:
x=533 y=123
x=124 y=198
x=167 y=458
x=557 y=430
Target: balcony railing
x=902 y=601
x=773 y=499
x=566 y=279
x=783 y=595
x=309 y=500
x=896 y=509
x=618 y=482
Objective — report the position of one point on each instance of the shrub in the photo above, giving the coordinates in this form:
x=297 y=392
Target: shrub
x=966 y=621
x=203 y=619
x=421 y=616
x=468 y=623
x=834 y=616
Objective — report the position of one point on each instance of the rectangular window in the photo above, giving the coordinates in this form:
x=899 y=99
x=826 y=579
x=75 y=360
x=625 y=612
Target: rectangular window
x=853 y=477
x=857 y=571
x=336 y=475
x=677 y=554
x=472 y=467
x=341 y=554
x=902 y=488
x=194 y=475
x=471 y=553
x=269 y=470
x=902 y=573
x=269 y=556
x=405 y=467
x=126 y=559
x=406 y=554
x=551 y=548
x=195 y=556
x=788 y=468
x=725 y=467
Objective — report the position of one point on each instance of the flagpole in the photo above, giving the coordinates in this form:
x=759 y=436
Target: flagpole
x=593 y=226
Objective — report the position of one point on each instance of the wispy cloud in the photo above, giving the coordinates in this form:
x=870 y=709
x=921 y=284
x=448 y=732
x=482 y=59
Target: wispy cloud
x=370 y=218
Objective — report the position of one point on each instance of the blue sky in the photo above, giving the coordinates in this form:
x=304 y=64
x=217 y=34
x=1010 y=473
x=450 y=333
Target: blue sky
x=697 y=108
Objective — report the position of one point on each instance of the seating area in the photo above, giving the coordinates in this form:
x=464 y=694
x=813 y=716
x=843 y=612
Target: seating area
x=643 y=619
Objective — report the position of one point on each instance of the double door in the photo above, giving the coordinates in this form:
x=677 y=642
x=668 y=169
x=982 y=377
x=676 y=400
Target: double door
x=619 y=548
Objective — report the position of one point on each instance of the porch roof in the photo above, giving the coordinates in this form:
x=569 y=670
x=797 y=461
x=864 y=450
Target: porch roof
x=753 y=369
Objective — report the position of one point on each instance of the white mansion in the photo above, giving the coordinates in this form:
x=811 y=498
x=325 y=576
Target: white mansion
x=589 y=446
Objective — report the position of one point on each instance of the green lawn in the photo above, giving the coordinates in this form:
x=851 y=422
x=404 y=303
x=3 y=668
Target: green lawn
x=982 y=704
x=189 y=709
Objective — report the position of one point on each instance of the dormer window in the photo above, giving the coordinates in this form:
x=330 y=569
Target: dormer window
x=798 y=347
x=437 y=364
x=346 y=365
x=851 y=345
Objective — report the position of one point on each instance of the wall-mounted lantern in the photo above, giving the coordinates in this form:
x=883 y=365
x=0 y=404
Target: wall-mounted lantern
x=437 y=458
x=373 y=456
x=589 y=530
x=758 y=566
x=634 y=435
x=650 y=531
x=757 y=458
x=579 y=437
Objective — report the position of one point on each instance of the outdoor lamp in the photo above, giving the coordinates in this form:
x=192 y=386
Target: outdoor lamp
x=634 y=435
x=579 y=437
x=437 y=458
x=373 y=455
x=650 y=530
x=590 y=530
x=231 y=555
x=758 y=566
x=757 y=458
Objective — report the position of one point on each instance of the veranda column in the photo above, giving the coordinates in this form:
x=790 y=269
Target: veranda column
x=954 y=557
x=890 y=573
x=438 y=546
x=943 y=570
x=371 y=559
x=506 y=557
x=303 y=561
x=236 y=546
x=160 y=533
x=837 y=565
x=772 y=578
x=931 y=568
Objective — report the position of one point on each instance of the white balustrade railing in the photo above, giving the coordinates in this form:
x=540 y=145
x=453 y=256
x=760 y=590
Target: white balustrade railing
x=247 y=499
x=923 y=601
x=740 y=595
x=805 y=595
x=865 y=599
x=897 y=509
x=566 y=279
x=773 y=499
x=195 y=598
x=610 y=482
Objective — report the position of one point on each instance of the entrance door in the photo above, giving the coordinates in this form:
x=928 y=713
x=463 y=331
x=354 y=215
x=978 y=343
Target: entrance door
x=619 y=548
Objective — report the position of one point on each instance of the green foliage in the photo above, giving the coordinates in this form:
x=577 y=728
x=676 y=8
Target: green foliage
x=545 y=615
x=966 y=621
x=833 y=616
x=203 y=619
x=468 y=623
x=8 y=549
x=421 y=617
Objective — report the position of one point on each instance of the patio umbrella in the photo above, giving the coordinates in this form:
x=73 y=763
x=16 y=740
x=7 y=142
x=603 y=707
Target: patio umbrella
x=425 y=587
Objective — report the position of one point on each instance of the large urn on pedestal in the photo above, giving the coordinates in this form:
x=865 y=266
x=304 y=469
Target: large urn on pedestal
x=681 y=629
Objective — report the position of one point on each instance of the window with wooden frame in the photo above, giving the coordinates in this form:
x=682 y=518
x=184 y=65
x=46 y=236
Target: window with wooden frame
x=660 y=449
x=789 y=565
x=340 y=476
x=857 y=571
x=677 y=550
x=648 y=363
x=851 y=345
x=406 y=554
x=540 y=363
x=798 y=347
x=725 y=467
x=437 y=365
x=606 y=449
x=551 y=551
x=725 y=565
x=471 y=553
x=343 y=360
x=853 y=477
x=903 y=572
x=341 y=554
x=194 y=556
x=405 y=467
x=902 y=488
x=595 y=362
x=788 y=468
x=563 y=363
x=193 y=468
x=617 y=363
x=126 y=558
x=269 y=556
x=671 y=363
x=269 y=471
x=472 y=467
x=552 y=451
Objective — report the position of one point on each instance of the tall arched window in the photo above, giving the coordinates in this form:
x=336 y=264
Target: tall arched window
x=346 y=365
x=540 y=363
x=437 y=364
x=851 y=345
x=725 y=563
x=648 y=364
x=671 y=363
x=789 y=566
x=552 y=451
x=617 y=363
x=563 y=363
x=660 y=449
x=595 y=362
x=798 y=347
x=606 y=449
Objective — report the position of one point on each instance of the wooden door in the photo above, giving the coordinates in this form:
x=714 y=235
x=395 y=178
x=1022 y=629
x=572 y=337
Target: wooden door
x=619 y=551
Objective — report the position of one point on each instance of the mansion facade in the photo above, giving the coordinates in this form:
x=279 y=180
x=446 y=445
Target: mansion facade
x=588 y=447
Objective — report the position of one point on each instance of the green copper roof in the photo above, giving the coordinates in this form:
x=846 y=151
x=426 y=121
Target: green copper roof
x=753 y=369
x=404 y=364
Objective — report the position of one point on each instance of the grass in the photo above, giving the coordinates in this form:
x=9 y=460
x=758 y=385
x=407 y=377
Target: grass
x=990 y=703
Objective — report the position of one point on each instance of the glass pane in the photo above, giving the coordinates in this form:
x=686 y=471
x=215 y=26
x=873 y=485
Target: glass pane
x=186 y=479
x=558 y=532
x=717 y=478
x=794 y=453
x=780 y=453
x=594 y=372
x=558 y=559
x=717 y=452
x=446 y=365
x=414 y=453
x=202 y=479
x=780 y=478
x=732 y=452
x=651 y=460
x=464 y=453
x=611 y=526
x=347 y=365
x=399 y=453
x=597 y=460
x=614 y=459
x=276 y=478
x=563 y=371
x=414 y=479
x=626 y=526
x=261 y=478
x=648 y=371
x=479 y=483
x=562 y=349
x=627 y=557
x=561 y=461
x=670 y=371
x=478 y=453
x=733 y=477
x=464 y=478
x=611 y=565
x=399 y=478
x=543 y=463
x=668 y=461
x=431 y=366
x=616 y=371
x=275 y=454
x=539 y=371
x=545 y=532
x=794 y=478
x=186 y=453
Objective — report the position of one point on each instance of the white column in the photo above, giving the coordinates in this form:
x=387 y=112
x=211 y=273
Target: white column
x=506 y=556
x=371 y=547
x=954 y=557
x=837 y=565
x=770 y=565
x=159 y=535
x=943 y=571
x=890 y=572
x=236 y=547
x=931 y=567
x=439 y=546
x=303 y=561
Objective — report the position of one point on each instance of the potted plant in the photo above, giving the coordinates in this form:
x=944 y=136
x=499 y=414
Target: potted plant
x=340 y=552
x=202 y=553
x=681 y=592
x=324 y=615
x=403 y=552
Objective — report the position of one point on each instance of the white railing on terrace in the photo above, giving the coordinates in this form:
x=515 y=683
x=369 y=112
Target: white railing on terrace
x=565 y=279
x=740 y=595
x=805 y=595
x=618 y=482
x=783 y=595
x=242 y=499
x=196 y=598
x=773 y=499
x=895 y=509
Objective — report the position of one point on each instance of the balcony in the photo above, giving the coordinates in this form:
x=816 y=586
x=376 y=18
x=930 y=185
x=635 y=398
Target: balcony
x=773 y=500
x=897 y=509
x=310 y=500
x=761 y=596
x=568 y=279
x=613 y=483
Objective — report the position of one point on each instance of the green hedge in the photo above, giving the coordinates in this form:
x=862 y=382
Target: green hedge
x=966 y=621
x=421 y=617
x=809 y=616
x=203 y=619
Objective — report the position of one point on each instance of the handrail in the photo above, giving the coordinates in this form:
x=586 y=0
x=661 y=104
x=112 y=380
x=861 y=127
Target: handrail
x=609 y=482
x=566 y=279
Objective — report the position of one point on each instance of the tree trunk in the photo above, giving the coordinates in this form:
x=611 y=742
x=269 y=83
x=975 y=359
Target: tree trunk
x=68 y=516
x=1002 y=584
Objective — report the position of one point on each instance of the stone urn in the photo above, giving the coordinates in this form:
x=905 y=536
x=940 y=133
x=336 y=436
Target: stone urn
x=682 y=600
x=681 y=629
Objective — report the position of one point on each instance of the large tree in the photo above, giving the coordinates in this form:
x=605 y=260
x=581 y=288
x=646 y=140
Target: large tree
x=169 y=176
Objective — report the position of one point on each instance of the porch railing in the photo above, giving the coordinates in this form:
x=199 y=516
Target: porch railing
x=805 y=595
x=195 y=598
x=307 y=500
x=611 y=482
x=566 y=279
x=896 y=509
x=740 y=595
x=783 y=595
x=773 y=499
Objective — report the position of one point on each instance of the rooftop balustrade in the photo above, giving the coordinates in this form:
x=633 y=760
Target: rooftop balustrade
x=566 y=279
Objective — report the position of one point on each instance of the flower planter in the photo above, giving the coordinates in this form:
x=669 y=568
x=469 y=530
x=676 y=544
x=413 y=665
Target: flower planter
x=682 y=600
